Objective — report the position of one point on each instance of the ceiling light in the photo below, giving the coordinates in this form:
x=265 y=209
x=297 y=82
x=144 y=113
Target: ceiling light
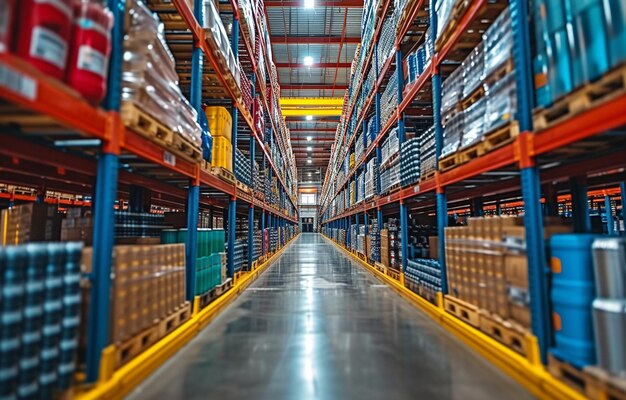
x=309 y=117
x=308 y=61
x=309 y=148
x=309 y=174
x=309 y=161
x=309 y=3
x=309 y=138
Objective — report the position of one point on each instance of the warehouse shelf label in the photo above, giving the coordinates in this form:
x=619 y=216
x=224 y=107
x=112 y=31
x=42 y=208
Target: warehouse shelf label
x=169 y=158
x=18 y=82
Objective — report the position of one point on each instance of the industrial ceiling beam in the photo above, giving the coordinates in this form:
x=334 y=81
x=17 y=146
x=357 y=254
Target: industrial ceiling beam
x=318 y=4
x=314 y=40
x=313 y=130
x=316 y=65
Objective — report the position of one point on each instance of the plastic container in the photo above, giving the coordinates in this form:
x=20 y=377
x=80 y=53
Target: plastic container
x=90 y=49
x=609 y=262
x=222 y=153
x=615 y=22
x=7 y=14
x=45 y=29
x=588 y=45
x=572 y=295
x=220 y=122
x=609 y=321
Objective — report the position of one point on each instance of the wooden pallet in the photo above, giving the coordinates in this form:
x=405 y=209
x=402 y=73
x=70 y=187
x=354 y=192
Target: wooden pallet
x=427 y=176
x=476 y=95
x=508 y=333
x=144 y=124
x=183 y=148
x=603 y=386
x=168 y=324
x=609 y=86
x=225 y=286
x=568 y=374
x=380 y=267
x=243 y=187
x=464 y=311
x=134 y=346
x=392 y=273
x=490 y=141
x=223 y=174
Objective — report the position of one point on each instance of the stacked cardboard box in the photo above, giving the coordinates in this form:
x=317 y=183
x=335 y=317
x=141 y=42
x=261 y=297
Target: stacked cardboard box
x=487 y=265
x=30 y=223
x=148 y=284
x=384 y=247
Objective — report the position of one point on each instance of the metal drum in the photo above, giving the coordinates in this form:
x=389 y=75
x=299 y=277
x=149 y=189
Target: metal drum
x=609 y=262
x=609 y=321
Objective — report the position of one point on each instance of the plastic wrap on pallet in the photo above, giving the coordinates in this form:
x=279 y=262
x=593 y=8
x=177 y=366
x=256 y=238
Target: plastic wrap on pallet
x=410 y=162
x=451 y=91
x=498 y=39
x=501 y=102
x=213 y=24
x=475 y=122
x=443 y=8
x=427 y=151
x=149 y=78
x=452 y=134
x=473 y=69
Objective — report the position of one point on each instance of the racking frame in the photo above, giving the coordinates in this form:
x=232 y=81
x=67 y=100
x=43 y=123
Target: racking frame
x=45 y=99
x=522 y=157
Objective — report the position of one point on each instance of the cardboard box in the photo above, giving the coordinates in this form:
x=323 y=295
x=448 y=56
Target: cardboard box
x=516 y=269
x=433 y=247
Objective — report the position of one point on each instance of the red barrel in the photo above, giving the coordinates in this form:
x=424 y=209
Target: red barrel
x=90 y=49
x=7 y=12
x=44 y=33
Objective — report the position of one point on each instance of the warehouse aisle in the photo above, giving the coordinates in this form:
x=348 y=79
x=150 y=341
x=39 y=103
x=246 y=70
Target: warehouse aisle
x=317 y=326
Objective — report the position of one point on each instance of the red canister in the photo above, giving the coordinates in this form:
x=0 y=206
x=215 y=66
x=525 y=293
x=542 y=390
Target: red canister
x=44 y=33
x=7 y=12
x=90 y=49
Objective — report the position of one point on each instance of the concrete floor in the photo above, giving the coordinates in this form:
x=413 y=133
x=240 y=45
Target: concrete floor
x=317 y=326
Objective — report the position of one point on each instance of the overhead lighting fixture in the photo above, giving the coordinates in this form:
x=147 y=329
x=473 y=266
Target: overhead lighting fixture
x=309 y=138
x=309 y=4
x=308 y=61
x=309 y=117
x=309 y=174
x=309 y=161
x=309 y=148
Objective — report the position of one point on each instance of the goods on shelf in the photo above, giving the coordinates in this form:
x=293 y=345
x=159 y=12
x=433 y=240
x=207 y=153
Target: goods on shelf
x=150 y=82
x=386 y=41
x=487 y=265
x=427 y=153
x=219 y=40
x=222 y=153
x=210 y=244
x=389 y=99
x=609 y=307
x=129 y=224
x=395 y=244
x=575 y=43
x=374 y=241
x=90 y=49
x=571 y=294
x=148 y=284
x=425 y=274
x=242 y=168
x=371 y=176
x=30 y=223
x=40 y=318
x=220 y=122
x=410 y=162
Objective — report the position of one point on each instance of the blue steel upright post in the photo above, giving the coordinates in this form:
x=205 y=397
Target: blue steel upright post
x=104 y=201
x=232 y=206
x=622 y=188
x=193 y=195
x=531 y=193
x=442 y=203
x=404 y=232
x=251 y=205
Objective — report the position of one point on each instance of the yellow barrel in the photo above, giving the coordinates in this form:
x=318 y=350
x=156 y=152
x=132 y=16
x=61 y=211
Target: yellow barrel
x=222 y=153
x=220 y=122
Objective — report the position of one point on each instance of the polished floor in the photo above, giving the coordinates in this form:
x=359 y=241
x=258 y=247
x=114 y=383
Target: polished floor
x=315 y=325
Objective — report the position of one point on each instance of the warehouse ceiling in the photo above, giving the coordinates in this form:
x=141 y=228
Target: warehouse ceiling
x=328 y=32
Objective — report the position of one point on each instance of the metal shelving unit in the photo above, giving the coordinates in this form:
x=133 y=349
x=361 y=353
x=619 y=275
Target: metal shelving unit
x=45 y=110
x=532 y=159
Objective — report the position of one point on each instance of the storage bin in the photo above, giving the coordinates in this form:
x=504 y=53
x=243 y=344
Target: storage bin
x=222 y=153
x=609 y=321
x=609 y=262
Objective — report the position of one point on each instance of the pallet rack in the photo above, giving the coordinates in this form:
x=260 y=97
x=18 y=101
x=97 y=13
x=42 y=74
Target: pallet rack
x=549 y=156
x=44 y=112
